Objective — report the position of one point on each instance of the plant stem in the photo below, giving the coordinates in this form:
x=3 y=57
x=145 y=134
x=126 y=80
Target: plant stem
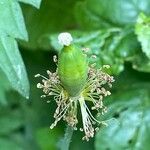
x=64 y=143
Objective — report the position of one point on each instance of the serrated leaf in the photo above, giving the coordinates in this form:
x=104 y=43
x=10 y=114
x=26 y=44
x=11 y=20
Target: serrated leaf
x=12 y=26
x=130 y=128
x=45 y=21
x=35 y=3
x=120 y=12
x=12 y=22
x=12 y=65
x=142 y=29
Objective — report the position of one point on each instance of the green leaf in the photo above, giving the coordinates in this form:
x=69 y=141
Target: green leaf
x=117 y=48
x=130 y=127
x=128 y=46
x=86 y=19
x=131 y=130
x=47 y=138
x=35 y=3
x=10 y=120
x=12 y=65
x=51 y=17
x=142 y=29
x=7 y=144
x=12 y=22
x=141 y=63
x=116 y=12
x=12 y=26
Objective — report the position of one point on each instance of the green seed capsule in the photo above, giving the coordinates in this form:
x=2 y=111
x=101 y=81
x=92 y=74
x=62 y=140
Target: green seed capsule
x=72 y=69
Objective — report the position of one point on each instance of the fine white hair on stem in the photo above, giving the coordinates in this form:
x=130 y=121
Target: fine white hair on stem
x=65 y=39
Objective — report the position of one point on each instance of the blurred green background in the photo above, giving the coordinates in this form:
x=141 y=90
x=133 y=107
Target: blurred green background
x=116 y=31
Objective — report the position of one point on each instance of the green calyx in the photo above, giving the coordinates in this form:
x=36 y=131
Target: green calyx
x=72 y=69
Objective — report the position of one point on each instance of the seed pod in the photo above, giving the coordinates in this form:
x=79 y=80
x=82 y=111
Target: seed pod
x=72 y=69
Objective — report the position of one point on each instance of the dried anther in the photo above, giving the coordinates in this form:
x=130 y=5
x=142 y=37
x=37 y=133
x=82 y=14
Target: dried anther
x=73 y=84
x=93 y=91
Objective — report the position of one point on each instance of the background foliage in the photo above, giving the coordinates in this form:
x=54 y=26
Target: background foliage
x=117 y=31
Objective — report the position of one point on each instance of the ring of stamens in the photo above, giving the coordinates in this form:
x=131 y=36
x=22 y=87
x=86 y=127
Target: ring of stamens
x=93 y=91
